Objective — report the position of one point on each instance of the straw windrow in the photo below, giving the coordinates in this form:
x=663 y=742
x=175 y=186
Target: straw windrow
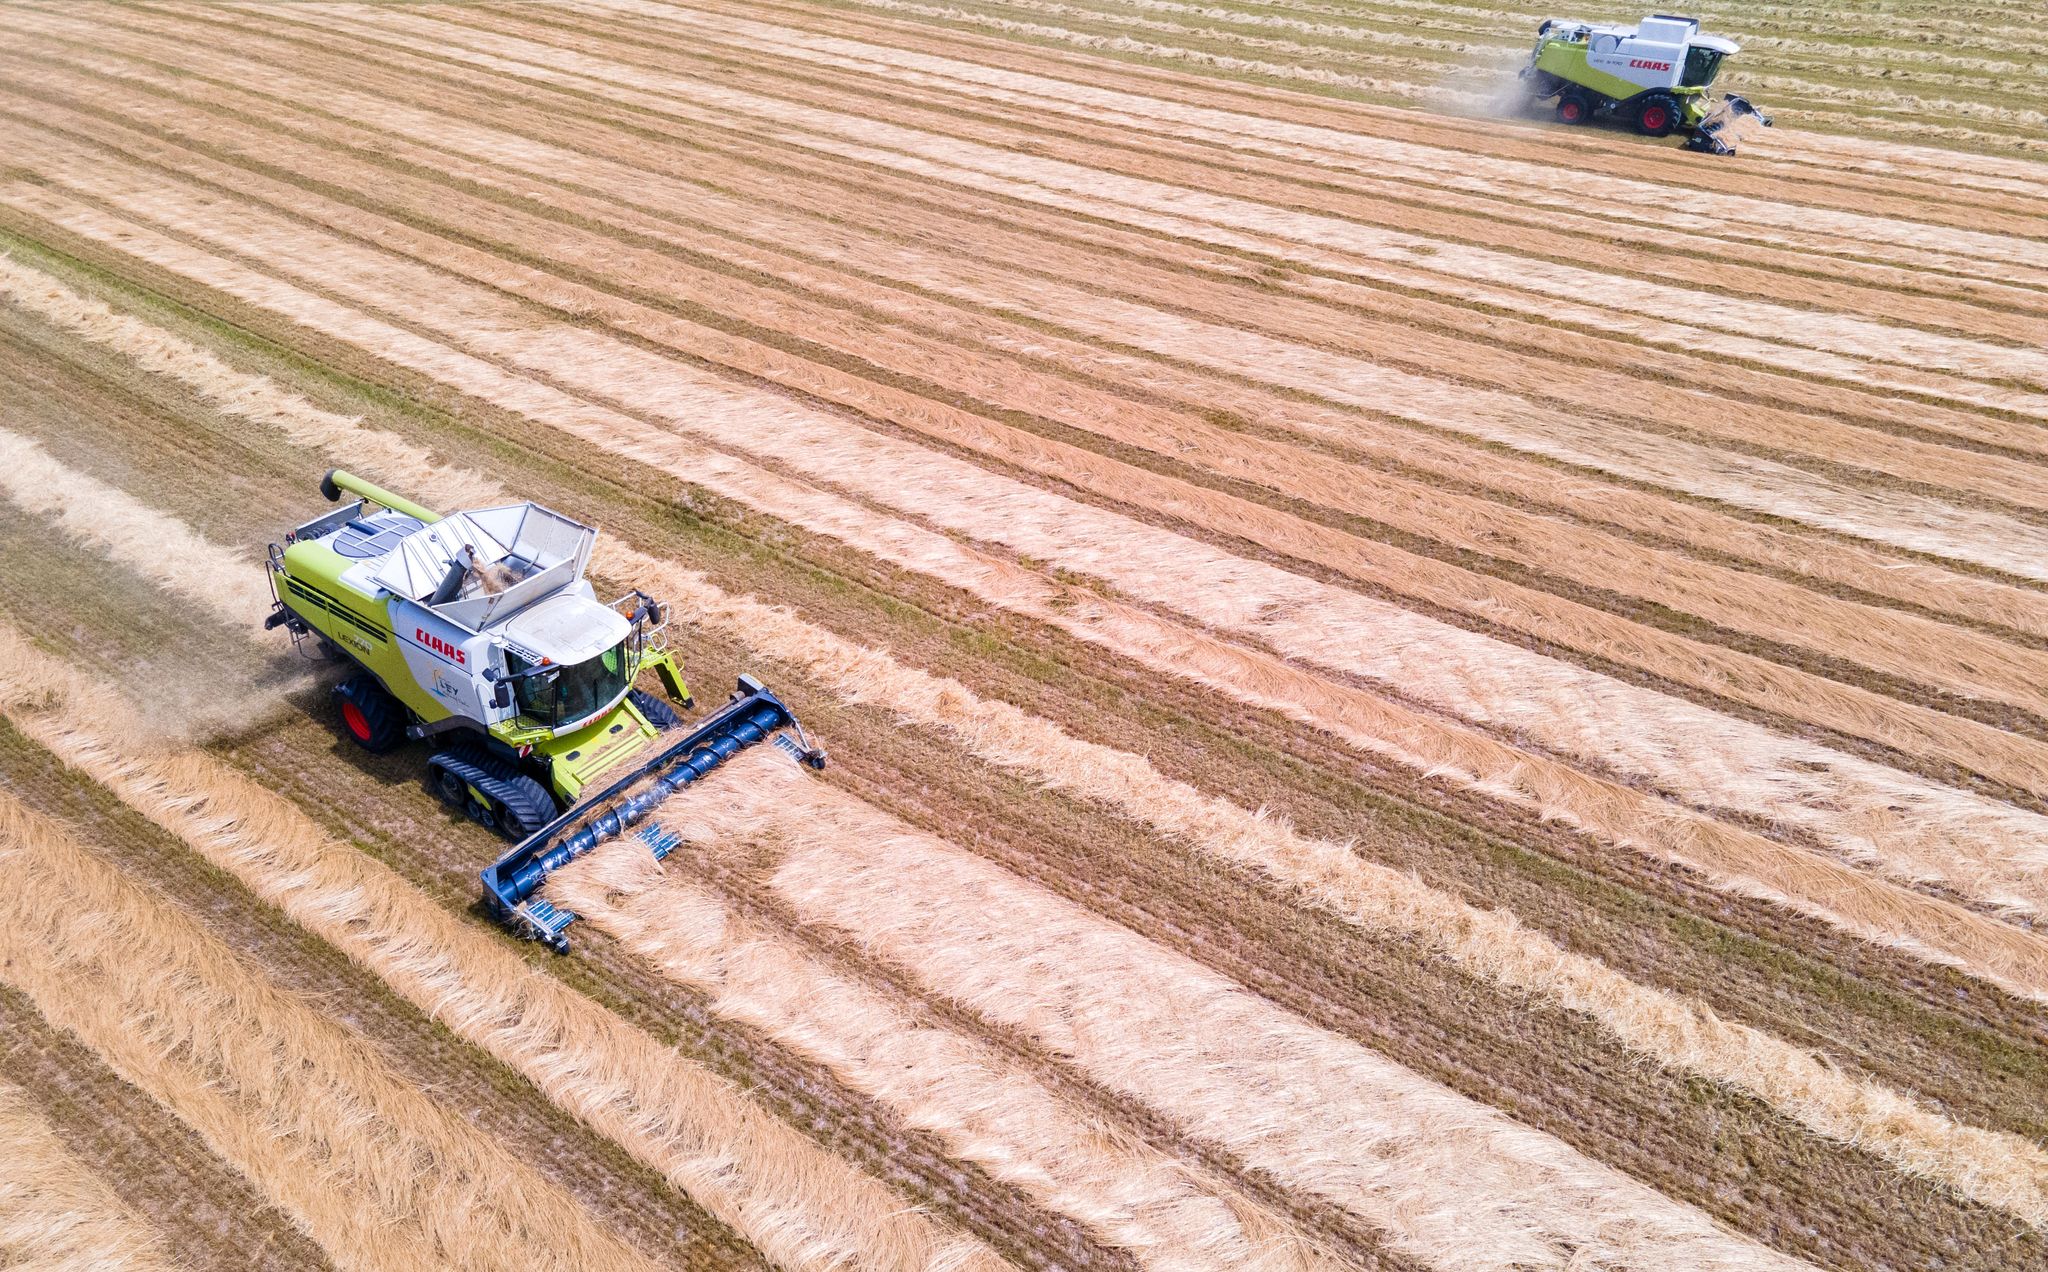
x=55 y=1214
x=1675 y=1031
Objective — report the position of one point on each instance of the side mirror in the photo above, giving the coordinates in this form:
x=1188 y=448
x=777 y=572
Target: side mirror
x=501 y=694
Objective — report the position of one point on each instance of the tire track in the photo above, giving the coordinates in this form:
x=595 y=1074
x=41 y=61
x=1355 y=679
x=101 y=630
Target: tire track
x=1003 y=736
x=55 y=1213
x=1142 y=199
x=1733 y=858
x=1293 y=614
x=377 y=1173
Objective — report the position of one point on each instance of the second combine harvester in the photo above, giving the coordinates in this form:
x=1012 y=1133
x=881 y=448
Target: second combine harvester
x=478 y=632
x=1654 y=75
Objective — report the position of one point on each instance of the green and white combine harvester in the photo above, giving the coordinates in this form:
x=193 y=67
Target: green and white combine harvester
x=1654 y=75
x=478 y=632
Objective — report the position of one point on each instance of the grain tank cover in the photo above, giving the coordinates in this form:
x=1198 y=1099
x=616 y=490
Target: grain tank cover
x=522 y=553
x=420 y=560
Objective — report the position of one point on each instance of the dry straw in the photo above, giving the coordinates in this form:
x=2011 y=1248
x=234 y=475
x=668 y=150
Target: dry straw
x=127 y=531
x=1450 y=1180
x=374 y=1170
x=56 y=1215
x=985 y=1107
x=799 y=1205
x=1763 y=326
x=1751 y=602
x=1675 y=1031
x=1705 y=210
x=1530 y=181
x=1866 y=814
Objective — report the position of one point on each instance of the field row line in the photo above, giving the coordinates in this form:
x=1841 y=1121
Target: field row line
x=1916 y=459
x=1457 y=264
x=1903 y=579
x=1075 y=465
x=802 y=1207
x=1675 y=1031
x=1395 y=87
x=1453 y=71
x=520 y=153
x=1427 y=174
x=793 y=1090
x=380 y=1175
x=1824 y=157
x=1454 y=1183
x=56 y=1214
x=1998 y=433
x=1732 y=856
x=1450 y=202
x=1907 y=827
x=985 y=1106
x=1743 y=17
x=1426 y=17
x=1775 y=502
x=1623 y=1214
x=524 y=157
x=1331 y=245
x=1482 y=65
x=1393 y=23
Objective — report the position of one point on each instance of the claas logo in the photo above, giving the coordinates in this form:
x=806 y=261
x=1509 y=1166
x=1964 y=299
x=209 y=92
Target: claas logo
x=1641 y=65
x=439 y=646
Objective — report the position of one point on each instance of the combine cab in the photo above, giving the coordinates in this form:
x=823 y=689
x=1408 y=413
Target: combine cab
x=478 y=633
x=1654 y=75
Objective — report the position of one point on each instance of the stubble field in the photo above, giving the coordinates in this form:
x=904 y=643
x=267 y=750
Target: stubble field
x=1406 y=690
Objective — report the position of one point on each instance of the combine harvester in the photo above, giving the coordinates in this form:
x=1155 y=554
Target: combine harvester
x=1654 y=75
x=479 y=631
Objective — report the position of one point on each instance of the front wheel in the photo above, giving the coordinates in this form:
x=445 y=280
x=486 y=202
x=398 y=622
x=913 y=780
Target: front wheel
x=659 y=714
x=1657 y=115
x=1574 y=108
x=370 y=716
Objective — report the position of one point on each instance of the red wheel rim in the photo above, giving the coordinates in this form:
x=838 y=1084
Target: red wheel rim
x=1655 y=117
x=1572 y=111
x=357 y=722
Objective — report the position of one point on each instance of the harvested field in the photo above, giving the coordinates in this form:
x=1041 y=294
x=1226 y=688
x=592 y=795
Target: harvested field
x=1405 y=689
x=54 y=1211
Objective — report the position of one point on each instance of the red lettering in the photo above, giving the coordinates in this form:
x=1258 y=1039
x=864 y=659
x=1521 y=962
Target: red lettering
x=440 y=646
x=1649 y=66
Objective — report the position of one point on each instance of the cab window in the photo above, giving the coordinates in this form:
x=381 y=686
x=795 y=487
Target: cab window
x=1700 y=65
x=564 y=694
